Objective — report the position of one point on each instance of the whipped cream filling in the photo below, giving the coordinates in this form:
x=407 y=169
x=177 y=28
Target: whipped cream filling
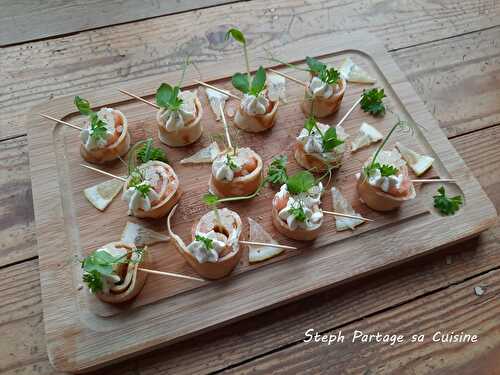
x=221 y=167
x=385 y=183
x=176 y=120
x=106 y=115
x=254 y=105
x=308 y=201
x=313 y=142
x=203 y=254
x=318 y=88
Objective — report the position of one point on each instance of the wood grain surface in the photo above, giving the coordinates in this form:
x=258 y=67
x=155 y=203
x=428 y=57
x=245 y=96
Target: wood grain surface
x=441 y=47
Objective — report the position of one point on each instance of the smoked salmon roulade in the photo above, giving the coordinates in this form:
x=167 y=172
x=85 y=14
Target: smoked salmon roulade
x=181 y=126
x=105 y=136
x=298 y=215
x=237 y=173
x=214 y=251
x=321 y=147
x=323 y=97
x=151 y=190
x=385 y=186
x=256 y=113
x=111 y=272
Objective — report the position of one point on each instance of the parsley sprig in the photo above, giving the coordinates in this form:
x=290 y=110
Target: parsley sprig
x=97 y=127
x=276 y=173
x=100 y=264
x=298 y=212
x=207 y=242
x=300 y=182
x=372 y=103
x=447 y=205
x=244 y=82
x=329 y=138
x=330 y=76
x=138 y=182
x=230 y=163
x=148 y=152
x=386 y=170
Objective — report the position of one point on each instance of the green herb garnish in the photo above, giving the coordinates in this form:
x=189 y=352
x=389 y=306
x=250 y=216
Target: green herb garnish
x=298 y=213
x=276 y=174
x=385 y=169
x=148 y=152
x=168 y=97
x=230 y=163
x=207 y=242
x=371 y=102
x=329 y=138
x=328 y=75
x=447 y=205
x=300 y=182
x=138 y=182
x=99 y=264
x=98 y=128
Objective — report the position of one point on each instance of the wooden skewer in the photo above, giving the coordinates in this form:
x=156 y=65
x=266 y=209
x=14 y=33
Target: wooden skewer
x=226 y=128
x=140 y=99
x=268 y=244
x=434 y=180
x=289 y=77
x=170 y=274
x=60 y=121
x=104 y=173
x=349 y=111
x=346 y=215
x=218 y=89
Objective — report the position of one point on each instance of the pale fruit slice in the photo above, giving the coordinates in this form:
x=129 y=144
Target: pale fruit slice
x=352 y=72
x=341 y=205
x=260 y=253
x=142 y=236
x=205 y=155
x=367 y=135
x=276 y=87
x=216 y=99
x=102 y=194
x=418 y=163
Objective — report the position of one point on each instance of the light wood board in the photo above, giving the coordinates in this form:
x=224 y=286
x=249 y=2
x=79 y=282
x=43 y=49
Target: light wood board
x=62 y=223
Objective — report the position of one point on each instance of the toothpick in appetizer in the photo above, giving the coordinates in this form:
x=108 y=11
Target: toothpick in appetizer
x=384 y=183
x=105 y=137
x=320 y=147
x=256 y=111
x=111 y=272
x=296 y=211
x=214 y=250
x=324 y=91
x=179 y=116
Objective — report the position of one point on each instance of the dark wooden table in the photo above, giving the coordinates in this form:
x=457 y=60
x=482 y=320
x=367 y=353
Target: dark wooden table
x=450 y=52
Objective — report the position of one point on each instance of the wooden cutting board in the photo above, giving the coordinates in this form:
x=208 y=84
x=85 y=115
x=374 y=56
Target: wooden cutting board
x=83 y=333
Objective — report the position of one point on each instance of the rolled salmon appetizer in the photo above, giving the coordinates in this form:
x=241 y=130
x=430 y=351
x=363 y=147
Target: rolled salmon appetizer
x=214 y=250
x=179 y=122
x=321 y=147
x=256 y=113
x=104 y=137
x=151 y=190
x=386 y=185
x=237 y=173
x=298 y=216
x=111 y=272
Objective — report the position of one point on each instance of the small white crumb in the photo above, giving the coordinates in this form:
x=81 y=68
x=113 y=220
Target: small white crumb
x=79 y=287
x=479 y=291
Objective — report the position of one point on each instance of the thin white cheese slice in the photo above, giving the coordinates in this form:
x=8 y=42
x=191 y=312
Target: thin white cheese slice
x=102 y=194
x=367 y=135
x=354 y=73
x=142 y=236
x=276 y=87
x=215 y=99
x=205 y=155
x=342 y=206
x=260 y=253
x=418 y=163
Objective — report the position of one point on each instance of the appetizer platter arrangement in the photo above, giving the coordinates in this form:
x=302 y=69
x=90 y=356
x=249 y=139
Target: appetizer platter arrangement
x=181 y=204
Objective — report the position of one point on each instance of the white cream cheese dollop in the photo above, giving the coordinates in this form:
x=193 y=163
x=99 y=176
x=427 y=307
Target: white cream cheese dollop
x=318 y=88
x=201 y=253
x=176 y=120
x=220 y=166
x=309 y=201
x=254 y=105
x=313 y=142
x=90 y=143
x=383 y=182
